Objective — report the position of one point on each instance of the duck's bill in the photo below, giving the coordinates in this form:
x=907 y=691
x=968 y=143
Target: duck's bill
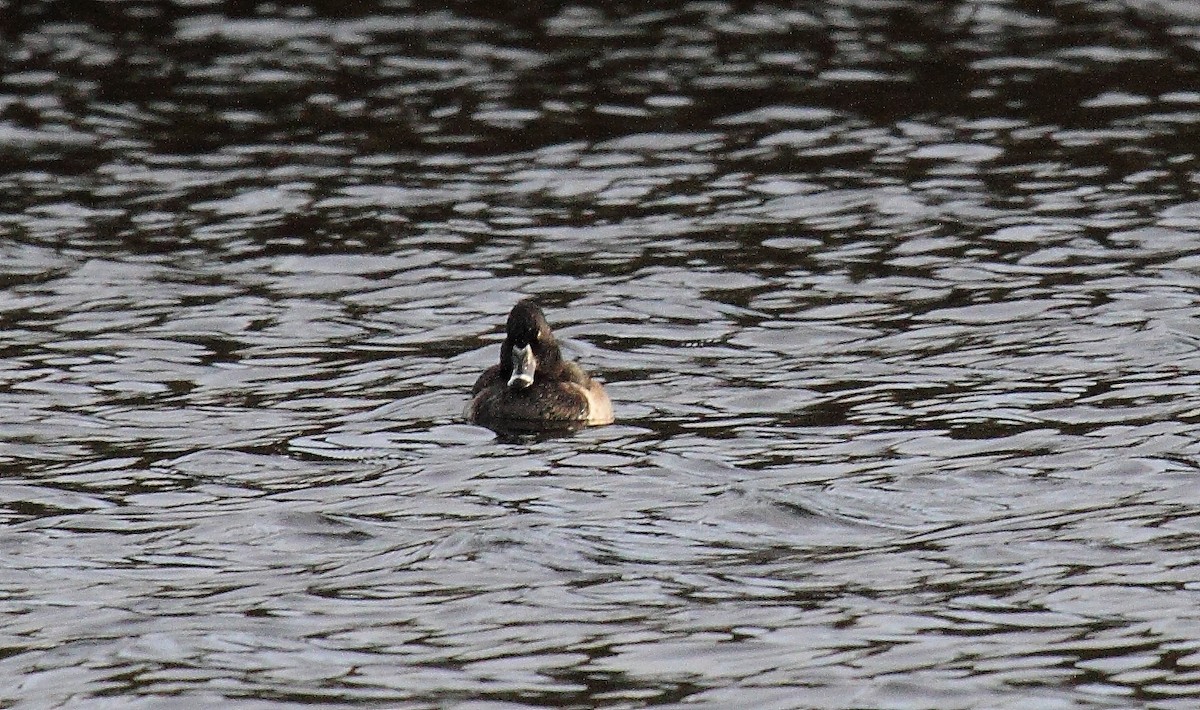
x=524 y=364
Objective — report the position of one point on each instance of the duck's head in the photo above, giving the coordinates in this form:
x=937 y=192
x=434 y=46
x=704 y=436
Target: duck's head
x=529 y=347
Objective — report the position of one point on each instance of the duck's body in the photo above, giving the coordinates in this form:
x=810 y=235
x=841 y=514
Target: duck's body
x=533 y=387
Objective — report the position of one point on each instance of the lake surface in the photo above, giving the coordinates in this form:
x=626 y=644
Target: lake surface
x=896 y=301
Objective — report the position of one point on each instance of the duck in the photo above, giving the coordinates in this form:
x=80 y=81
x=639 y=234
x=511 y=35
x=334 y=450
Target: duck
x=533 y=387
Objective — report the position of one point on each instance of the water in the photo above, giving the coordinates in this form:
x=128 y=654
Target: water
x=896 y=304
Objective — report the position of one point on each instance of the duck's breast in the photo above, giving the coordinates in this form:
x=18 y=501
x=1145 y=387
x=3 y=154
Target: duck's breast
x=553 y=404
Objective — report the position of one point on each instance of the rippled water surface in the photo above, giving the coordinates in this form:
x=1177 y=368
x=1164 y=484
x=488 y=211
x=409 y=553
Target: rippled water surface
x=896 y=302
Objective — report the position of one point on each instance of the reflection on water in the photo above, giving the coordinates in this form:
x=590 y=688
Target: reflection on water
x=896 y=305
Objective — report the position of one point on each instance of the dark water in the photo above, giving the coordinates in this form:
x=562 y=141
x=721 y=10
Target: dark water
x=896 y=302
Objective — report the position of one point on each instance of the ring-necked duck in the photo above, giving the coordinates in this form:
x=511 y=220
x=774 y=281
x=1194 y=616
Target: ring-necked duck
x=533 y=387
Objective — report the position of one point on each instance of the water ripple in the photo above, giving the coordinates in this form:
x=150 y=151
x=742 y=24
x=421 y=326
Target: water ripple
x=896 y=305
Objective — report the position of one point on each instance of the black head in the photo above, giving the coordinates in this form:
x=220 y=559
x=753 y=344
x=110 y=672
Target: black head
x=527 y=324
x=529 y=348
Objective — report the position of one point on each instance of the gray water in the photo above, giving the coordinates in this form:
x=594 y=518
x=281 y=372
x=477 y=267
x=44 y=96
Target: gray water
x=896 y=302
